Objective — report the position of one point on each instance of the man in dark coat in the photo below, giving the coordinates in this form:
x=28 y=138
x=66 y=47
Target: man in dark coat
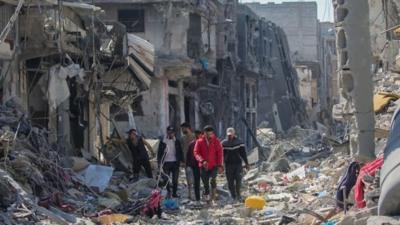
x=234 y=156
x=192 y=165
x=169 y=157
x=137 y=145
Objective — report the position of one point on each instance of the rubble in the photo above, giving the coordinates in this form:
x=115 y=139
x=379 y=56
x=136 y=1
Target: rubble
x=41 y=184
x=291 y=189
x=38 y=183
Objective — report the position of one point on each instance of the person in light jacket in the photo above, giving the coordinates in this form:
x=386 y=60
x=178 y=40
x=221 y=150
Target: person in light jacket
x=169 y=156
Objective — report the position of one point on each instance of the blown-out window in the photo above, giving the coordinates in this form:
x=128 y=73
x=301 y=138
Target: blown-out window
x=133 y=19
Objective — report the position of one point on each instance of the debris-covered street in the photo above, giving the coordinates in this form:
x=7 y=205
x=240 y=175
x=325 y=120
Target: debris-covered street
x=199 y=112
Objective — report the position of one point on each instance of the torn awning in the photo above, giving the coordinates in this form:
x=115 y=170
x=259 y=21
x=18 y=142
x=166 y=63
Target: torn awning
x=141 y=58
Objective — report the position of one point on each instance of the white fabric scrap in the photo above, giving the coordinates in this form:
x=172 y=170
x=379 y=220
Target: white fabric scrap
x=58 y=87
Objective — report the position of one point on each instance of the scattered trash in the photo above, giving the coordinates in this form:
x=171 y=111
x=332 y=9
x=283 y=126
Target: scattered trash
x=113 y=218
x=330 y=223
x=96 y=176
x=171 y=204
x=382 y=99
x=255 y=202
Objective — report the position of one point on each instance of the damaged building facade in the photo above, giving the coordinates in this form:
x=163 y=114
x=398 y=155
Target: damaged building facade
x=88 y=73
x=184 y=39
x=312 y=50
x=212 y=69
x=66 y=69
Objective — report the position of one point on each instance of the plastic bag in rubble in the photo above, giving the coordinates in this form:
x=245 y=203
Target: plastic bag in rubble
x=96 y=176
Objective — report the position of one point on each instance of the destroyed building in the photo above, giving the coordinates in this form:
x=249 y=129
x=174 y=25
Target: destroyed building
x=210 y=59
x=76 y=76
x=311 y=43
x=66 y=69
x=184 y=39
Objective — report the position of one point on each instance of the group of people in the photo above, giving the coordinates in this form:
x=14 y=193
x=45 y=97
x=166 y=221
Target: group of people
x=201 y=153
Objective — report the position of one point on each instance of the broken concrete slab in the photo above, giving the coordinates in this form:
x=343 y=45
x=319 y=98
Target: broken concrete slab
x=108 y=203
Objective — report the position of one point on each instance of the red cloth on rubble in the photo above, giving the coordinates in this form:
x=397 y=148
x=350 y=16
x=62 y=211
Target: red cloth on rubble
x=370 y=169
x=153 y=203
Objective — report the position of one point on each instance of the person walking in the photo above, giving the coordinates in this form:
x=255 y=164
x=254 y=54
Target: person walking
x=187 y=138
x=191 y=162
x=137 y=146
x=208 y=152
x=234 y=156
x=169 y=157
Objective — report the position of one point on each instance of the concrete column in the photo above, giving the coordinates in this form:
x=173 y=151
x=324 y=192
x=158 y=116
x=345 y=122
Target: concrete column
x=92 y=125
x=105 y=123
x=64 y=128
x=354 y=61
x=52 y=125
x=164 y=105
x=196 y=112
x=181 y=101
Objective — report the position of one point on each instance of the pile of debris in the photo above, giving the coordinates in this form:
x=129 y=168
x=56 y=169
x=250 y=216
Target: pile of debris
x=39 y=184
x=296 y=189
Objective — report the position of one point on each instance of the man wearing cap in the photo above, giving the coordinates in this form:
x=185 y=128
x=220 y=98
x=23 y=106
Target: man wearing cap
x=208 y=152
x=234 y=155
x=169 y=157
x=193 y=178
x=136 y=145
x=187 y=138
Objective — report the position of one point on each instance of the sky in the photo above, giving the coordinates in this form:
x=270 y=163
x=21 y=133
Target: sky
x=325 y=8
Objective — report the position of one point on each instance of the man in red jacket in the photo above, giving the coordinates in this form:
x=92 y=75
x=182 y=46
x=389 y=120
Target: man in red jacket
x=208 y=152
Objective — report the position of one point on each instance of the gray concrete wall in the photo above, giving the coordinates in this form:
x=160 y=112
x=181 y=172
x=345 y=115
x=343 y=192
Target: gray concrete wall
x=156 y=25
x=299 y=21
x=155 y=108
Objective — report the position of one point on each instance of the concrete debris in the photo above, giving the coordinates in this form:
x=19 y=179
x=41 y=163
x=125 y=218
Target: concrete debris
x=294 y=190
x=82 y=81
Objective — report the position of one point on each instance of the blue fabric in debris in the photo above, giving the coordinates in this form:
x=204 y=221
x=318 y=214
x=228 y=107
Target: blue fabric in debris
x=171 y=204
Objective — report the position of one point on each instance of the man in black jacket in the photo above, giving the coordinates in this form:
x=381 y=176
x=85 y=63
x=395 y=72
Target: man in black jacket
x=169 y=156
x=140 y=156
x=234 y=154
